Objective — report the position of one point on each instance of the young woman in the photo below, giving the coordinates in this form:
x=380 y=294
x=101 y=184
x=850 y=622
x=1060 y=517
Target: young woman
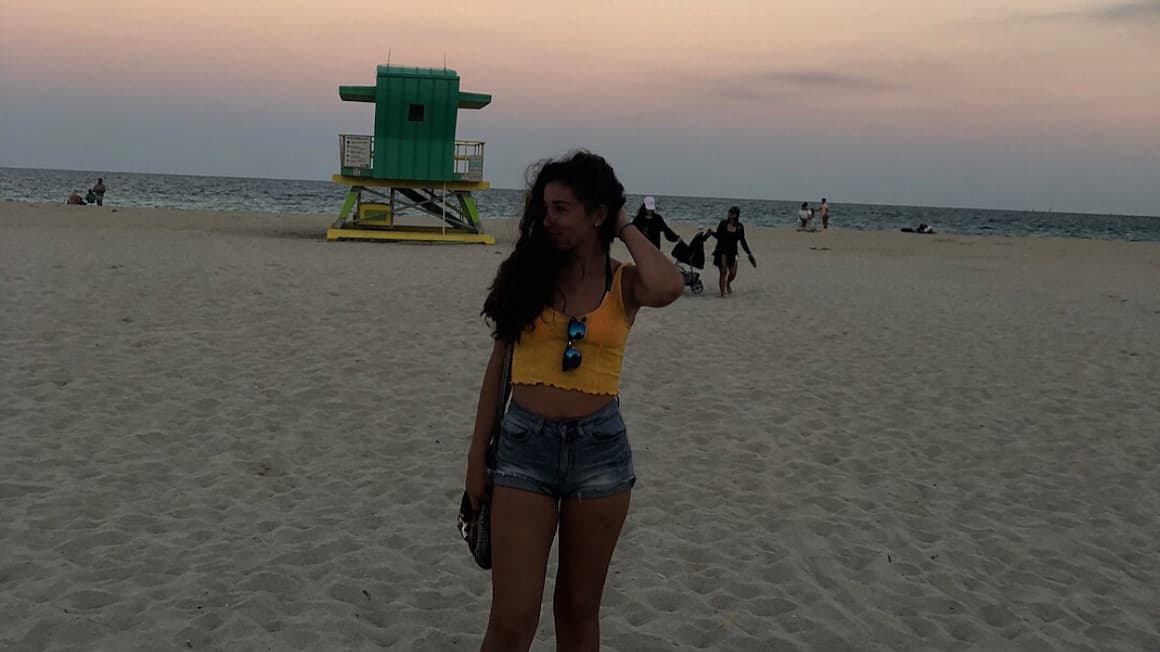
x=729 y=233
x=563 y=460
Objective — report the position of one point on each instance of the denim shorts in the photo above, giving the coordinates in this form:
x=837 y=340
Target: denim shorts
x=587 y=457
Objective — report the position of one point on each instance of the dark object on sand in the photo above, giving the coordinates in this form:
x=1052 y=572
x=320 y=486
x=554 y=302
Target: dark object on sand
x=922 y=228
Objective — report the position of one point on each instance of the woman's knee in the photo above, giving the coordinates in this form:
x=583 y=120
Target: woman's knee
x=513 y=627
x=573 y=609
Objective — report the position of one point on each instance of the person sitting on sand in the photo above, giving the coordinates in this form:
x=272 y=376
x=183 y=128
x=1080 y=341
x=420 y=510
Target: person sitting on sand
x=563 y=308
x=651 y=224
x=75 y=199
x=730 y=232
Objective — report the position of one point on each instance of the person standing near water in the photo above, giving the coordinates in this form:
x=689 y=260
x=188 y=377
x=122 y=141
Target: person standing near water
x=825 y=214
x=804 y=216
x=99 y=191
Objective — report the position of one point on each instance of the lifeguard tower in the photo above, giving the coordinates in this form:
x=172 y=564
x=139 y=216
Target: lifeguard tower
x=412 y=165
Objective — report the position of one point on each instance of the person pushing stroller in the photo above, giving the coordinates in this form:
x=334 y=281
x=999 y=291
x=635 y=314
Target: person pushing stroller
x=652 y=225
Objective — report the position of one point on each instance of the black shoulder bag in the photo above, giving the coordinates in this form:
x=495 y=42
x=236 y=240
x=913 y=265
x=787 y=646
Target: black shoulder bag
x=475 y=525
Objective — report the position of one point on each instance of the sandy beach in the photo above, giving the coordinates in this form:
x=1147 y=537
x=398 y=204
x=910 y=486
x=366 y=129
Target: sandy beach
x=221 y=432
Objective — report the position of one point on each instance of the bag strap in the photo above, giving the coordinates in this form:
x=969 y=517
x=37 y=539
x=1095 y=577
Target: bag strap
x=505 y=389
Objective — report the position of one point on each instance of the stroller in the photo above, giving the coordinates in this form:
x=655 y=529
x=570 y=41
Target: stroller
x=690 y=255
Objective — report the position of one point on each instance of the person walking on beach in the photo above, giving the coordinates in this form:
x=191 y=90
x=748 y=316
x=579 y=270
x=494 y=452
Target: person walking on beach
x=825 y=214
x=99 y=191
x=651 y=224
x=563 y=308
x=730 y=232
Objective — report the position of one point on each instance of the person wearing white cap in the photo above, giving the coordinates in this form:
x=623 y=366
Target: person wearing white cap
x=651 y=224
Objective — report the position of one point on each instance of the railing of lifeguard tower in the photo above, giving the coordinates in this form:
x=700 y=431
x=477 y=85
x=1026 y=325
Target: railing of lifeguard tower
x=357 y=152
x=469 y=160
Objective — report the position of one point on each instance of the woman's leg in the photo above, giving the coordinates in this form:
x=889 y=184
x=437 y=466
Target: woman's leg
x=732 y=275
x=523 y=524
x=719 y=261
x=589 y=530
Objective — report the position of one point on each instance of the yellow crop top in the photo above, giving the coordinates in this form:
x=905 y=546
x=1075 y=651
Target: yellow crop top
x=537 y=358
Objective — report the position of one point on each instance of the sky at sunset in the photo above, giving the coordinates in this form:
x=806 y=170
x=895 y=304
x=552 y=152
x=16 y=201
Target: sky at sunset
x=1032 y=104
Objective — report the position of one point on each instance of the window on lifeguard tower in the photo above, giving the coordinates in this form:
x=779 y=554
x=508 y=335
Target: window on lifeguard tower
x=415 y=114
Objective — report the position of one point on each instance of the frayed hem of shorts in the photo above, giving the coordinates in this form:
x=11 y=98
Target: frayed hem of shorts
x=604 y=492
x=511 y=481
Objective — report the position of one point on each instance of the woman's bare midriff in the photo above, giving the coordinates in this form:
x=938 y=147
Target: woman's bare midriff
x=555 y=403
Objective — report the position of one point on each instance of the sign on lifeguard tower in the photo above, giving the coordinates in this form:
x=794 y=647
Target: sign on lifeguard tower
x=413 y=163
x=356 y=151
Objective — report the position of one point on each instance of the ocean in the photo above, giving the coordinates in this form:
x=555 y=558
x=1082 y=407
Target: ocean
x=325 y=198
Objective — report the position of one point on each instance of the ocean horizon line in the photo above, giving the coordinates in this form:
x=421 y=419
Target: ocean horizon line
x=994 y=209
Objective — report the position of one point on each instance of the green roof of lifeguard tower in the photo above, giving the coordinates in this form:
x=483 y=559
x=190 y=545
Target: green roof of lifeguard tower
x=367 y=93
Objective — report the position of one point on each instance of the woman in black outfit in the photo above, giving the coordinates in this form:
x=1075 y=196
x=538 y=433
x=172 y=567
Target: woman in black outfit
x=652 y=225
x=729 y=233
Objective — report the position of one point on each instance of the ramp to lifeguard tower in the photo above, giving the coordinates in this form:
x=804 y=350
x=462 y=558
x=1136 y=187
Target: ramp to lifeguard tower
x=463 y=213
x=428 y=205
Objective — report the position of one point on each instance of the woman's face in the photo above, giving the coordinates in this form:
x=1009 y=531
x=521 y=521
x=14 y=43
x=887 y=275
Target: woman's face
x=731 y=216
x=566 y=220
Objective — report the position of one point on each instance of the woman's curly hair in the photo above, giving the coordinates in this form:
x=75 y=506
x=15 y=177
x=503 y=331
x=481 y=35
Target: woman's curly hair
x=525 y=281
